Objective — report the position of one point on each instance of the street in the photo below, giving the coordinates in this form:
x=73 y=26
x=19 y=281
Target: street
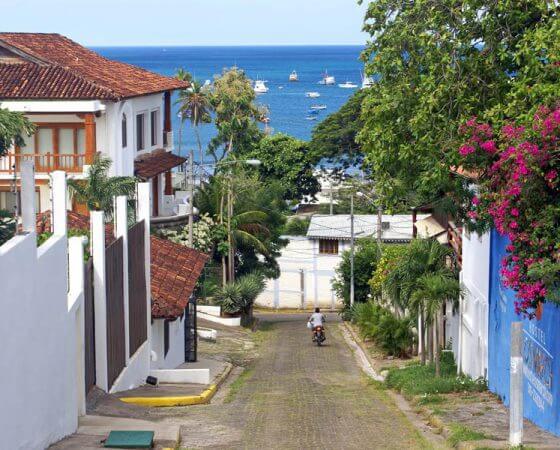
x=298 y=396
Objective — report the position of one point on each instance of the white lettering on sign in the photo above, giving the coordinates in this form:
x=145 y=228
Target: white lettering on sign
x=537 y=333
x=536 y=398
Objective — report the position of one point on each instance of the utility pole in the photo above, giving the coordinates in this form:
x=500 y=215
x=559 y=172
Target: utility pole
x=302 y=288
x=191 y=197
x=516 y=386
x=331 y=198
x=230 y=240
x=352 y=249
x=379 y=225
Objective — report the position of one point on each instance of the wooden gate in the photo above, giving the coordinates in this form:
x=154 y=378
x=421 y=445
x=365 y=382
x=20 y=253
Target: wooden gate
x=89 y=326
x=137 y=306
x=116 y=350
x=190 y=331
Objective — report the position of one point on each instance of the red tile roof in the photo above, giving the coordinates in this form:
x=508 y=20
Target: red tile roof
x=174 y=268
x=80 y=70
x=155 y=163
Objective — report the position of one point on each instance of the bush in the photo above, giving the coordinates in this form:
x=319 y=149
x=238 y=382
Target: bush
x=7 y=226
x=418 y=379
x=296 y=226
x=238 y=297
x=393 y=335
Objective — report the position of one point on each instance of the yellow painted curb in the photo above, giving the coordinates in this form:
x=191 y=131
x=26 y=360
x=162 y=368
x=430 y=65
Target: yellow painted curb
x=185 y=400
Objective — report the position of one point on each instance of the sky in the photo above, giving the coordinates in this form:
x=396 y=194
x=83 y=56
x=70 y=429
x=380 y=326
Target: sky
x=190 y=22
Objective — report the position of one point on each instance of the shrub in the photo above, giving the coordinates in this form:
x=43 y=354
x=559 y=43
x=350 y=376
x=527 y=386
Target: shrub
x=7 y=226
x=377 y=323
x=296 y=226
x=238 y=297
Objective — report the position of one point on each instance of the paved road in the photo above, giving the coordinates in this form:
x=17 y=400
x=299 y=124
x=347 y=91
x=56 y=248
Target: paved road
x=299 y=396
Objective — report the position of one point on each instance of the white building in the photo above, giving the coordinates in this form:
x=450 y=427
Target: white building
x=82 y=104
x=308 y=263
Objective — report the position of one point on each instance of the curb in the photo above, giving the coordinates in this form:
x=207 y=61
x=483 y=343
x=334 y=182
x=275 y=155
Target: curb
x=185 y=400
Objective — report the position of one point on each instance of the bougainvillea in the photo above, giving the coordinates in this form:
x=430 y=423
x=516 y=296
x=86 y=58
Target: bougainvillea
x=518 y=192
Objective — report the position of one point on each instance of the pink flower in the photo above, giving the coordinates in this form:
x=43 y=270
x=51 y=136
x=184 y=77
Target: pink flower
x=472 y=215
x=513 y=224
x=551 y=175
x=466 y=150
x=514 y=212
x=475 y=201
x=488 y=146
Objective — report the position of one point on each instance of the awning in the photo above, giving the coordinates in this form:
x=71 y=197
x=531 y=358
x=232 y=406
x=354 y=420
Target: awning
x=155 y=163
x=431 y=228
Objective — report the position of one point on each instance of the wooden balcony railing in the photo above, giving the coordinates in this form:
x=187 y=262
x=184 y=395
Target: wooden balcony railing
x=455 y=239
x=44 y=162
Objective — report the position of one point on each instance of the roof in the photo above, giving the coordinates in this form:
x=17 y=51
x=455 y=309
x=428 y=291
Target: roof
x=337 y=226
x=174 y=268
x=64 y=69
x=431 y=228
x=155 y=163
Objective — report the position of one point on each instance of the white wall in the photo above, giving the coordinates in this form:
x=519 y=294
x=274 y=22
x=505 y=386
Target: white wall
x=176 y=354
x=319 y=270
x=475 y=275
x=38 y=336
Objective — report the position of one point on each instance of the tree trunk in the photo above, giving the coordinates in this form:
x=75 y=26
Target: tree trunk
x=430 y=332
x=200 y=152
x=422 y=338
x=436 y=344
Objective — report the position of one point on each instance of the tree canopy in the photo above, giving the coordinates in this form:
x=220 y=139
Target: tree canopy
x=13 y=126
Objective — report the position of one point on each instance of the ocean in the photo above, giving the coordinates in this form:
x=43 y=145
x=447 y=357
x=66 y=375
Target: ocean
x=286 y=101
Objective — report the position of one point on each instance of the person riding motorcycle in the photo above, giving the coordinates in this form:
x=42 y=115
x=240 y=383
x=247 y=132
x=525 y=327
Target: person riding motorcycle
x=317 y=319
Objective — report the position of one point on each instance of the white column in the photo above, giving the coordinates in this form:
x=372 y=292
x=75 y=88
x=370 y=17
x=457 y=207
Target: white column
x=59 y=209
x=76 y=294
x=28 y=217
x=121 y=230
x=143 y=206
x=97 y=221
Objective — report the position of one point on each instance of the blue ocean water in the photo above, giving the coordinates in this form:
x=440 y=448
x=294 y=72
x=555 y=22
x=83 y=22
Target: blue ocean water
x=286 y=101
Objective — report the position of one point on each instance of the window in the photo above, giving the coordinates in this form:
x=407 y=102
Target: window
x=140 y=144
x=328 y=247
x=154 y=127
x=123 y=131
x=165 y=337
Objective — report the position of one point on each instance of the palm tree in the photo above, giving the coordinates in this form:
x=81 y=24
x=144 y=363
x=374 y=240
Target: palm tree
x=98 y=189
x=424 y=257
x=432 y=291
x=194 y=105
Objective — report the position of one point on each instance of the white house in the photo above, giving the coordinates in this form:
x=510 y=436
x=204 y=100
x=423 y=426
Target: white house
x=83 y=103
x=308 y=263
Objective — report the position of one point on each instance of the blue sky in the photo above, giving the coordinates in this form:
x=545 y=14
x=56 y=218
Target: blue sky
x=190 y=22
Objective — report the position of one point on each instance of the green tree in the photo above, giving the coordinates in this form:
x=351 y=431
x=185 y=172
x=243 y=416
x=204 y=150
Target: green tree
x=438 y=64
x=334 y=139
x=13 y=127
x=235 y=115
x=98 y=189
x=287 y=160
x=194 y=105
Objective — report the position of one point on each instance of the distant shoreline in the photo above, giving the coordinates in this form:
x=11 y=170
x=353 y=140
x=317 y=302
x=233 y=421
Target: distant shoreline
x=234 y=46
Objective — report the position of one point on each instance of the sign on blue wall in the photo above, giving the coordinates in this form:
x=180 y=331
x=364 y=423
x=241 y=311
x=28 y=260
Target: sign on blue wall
x=541 y=348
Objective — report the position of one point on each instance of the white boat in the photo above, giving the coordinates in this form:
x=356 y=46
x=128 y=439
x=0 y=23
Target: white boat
x=293 y=76
x=311 y=118
x=367 y=82
x=260 y=87
x=348 y=85
x=318 y=107
x=327 y=80
x=312 y=94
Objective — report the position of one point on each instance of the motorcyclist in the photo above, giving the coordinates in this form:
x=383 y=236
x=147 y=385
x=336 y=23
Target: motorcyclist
x=317 y=319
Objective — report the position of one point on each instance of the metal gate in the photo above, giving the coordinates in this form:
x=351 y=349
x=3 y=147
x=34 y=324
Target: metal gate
x=190 y=331
x=116 y=350
x=89 y=326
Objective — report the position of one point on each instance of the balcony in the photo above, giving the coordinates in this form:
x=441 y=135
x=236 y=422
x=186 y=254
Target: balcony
x=44 y=162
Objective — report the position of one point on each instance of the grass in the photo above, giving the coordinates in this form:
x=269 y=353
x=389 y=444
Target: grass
x=462 y=433
x=417 y=379
x=430 y=399
x=236 y=386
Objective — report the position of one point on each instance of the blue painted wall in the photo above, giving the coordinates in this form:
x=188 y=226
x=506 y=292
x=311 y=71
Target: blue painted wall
x=541 y=348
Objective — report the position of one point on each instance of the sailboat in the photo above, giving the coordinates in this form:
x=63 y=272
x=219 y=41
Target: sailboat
x=327 y=80
x=348 y=85
x=293 y=76
x=260 y=87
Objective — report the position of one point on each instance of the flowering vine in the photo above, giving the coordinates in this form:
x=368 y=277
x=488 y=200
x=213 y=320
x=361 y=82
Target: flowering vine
x=518 y=184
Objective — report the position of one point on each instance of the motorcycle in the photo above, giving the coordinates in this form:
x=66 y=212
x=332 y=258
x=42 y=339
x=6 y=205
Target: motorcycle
x=319 y=335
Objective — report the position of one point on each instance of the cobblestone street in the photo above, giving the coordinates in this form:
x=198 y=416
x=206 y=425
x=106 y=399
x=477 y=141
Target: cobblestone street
x=299 y=396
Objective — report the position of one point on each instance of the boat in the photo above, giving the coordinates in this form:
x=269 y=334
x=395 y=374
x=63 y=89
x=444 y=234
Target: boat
x=367 y=82
x=348 y=85
x=293 y=76
x=260 y=87
x=312 y=94
x=311 y=118
x=327 y=80
x=313 y=112
x=318 y=107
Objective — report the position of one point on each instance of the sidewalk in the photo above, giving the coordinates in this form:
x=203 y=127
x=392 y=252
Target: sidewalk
x=468 y=420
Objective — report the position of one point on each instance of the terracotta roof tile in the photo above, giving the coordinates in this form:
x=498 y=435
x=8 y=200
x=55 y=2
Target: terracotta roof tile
x=174 y=268
x=80 y=69
x=155 y=163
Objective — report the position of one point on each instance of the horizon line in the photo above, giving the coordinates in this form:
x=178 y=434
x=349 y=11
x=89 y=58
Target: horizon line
x=226 y=45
